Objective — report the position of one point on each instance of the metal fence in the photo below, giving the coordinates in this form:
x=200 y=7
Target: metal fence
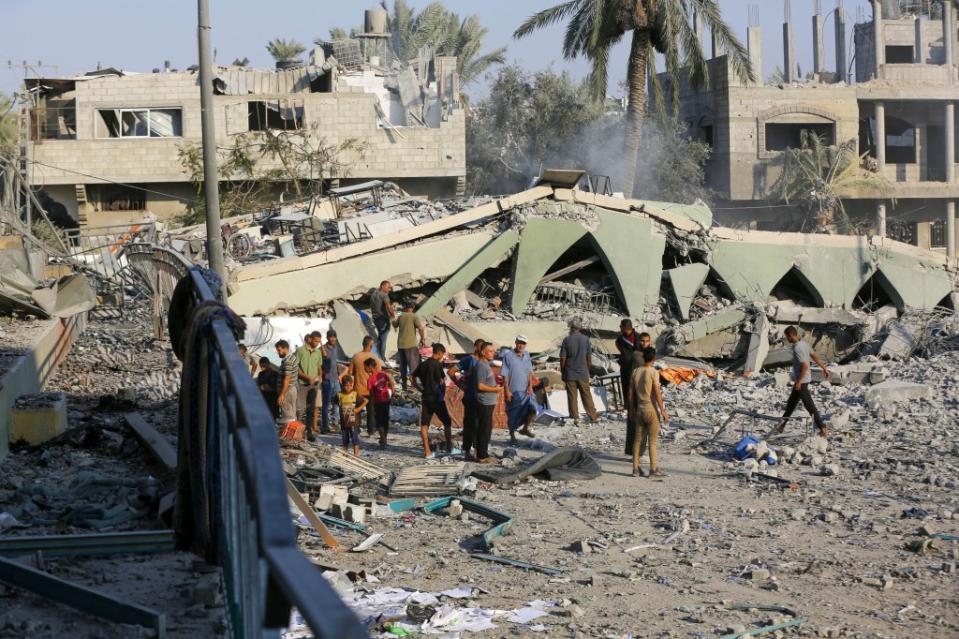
x=232 y=503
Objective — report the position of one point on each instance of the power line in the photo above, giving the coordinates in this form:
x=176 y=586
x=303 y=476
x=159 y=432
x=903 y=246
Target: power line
x=109 y=181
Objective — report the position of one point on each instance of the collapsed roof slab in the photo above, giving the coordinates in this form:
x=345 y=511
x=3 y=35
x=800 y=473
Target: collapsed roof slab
x=632 y=251
x=490 y=254
x=303 y=288
x=688 y=218
x=686 y=280
x=543 y=242
x=419 y=232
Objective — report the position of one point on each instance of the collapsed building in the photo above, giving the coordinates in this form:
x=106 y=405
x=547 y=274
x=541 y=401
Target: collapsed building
x=106 y=145
x=529 y=262
x=891 y=90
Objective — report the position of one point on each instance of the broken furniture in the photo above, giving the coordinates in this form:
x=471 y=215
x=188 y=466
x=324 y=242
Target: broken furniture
x=428 y=480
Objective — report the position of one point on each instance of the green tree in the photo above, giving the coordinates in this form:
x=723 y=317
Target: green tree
x=548 y=120
x=282 y=49
x=814 y=176
x=446 y=33
x=654 y=26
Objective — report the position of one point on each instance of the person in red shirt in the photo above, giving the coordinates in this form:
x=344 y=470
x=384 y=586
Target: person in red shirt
x=381 y=388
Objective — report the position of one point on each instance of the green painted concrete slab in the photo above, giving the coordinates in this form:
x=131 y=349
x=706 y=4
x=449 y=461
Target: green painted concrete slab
x=751 y=271
x=633 y=254
x=918 y=287
x=701 y=214
x=487 y=256
x=543 y=242
x=686 y=281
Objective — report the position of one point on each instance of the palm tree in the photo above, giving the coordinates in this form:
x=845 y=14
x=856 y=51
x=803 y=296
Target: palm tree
x=815 y=175
x=283 y=50
x=654 y=26
x=442 y=30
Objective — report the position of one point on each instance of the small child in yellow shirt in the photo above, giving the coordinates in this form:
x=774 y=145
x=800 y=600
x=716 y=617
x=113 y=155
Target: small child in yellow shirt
x=349 y=424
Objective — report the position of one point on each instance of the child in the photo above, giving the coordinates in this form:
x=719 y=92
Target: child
x=381 y=388
x=349 y=424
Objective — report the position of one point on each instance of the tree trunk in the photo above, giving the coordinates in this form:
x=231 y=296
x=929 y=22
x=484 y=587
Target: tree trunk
x=636 y=109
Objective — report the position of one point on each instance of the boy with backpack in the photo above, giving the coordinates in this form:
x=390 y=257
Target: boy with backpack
x=380 y=385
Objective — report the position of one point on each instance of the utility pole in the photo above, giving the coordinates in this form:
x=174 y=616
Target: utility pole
x=211 y=184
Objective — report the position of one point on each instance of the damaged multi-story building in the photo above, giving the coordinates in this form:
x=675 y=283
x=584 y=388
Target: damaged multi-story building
x=892 y=90
x=106 y=144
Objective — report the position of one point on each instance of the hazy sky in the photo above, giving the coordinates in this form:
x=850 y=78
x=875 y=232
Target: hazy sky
x=134 y=35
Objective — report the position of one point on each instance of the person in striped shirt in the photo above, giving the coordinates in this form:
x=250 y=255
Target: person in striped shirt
x=289 y=368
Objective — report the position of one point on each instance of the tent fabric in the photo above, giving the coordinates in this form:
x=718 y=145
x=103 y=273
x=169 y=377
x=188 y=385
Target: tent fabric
x=563 y=464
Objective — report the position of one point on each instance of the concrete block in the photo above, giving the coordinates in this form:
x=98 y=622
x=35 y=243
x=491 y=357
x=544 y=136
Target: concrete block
x=895 y=391
x=37 y=418
x=758 y=344
x=355 y=513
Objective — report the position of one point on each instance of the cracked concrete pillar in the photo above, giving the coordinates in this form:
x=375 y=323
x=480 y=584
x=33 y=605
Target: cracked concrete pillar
x=949 y=37
x=789 y=55
x=881 y=219
x=879 y=50
x=840 y=44
x=818 y=47
x=881 y=136
x=918 y=59
x=754 y=44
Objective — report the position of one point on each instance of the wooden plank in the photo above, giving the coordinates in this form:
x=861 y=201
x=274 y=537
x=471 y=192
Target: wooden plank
x=458 y=326
x=311 y=515
x=154 y=442
x=569 y=269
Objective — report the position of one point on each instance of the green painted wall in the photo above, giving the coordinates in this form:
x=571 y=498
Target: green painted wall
x=543 y=242
x=633 y=254
x=686 y=281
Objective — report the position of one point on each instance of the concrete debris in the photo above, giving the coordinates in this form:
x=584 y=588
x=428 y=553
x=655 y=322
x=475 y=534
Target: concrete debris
x=892 y=391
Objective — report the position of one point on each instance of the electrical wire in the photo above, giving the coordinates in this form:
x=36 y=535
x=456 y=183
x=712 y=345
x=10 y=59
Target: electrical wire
x=114 y=182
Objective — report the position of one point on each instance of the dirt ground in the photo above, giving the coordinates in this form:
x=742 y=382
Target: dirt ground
x=833 y=550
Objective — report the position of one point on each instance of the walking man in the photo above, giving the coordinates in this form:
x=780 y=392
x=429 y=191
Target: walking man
x=309 y=357
x=644 y=399
x=575 y=362
x=357 y=370
x=331 y=382
x=461 y=374
x=487 y=396
x=801 y=377
x=517 y=372
x=408 y=324
x=430 y=379
x=381 y=310
x=286 y=398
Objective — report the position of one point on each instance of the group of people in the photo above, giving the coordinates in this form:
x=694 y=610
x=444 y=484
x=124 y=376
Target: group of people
x=317 y=375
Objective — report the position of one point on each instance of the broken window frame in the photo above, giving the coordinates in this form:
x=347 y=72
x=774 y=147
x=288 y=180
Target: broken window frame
x=815 y=127
x=106 y=130
x=278 y=109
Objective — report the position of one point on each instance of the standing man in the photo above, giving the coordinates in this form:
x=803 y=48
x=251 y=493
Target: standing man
x=267 y=380
x=357 y=370
x=407 y=326
x=309 y=358
x=331 y=379
x=289 y=370
x=575 y=362
x=801 y=377
x=627 y=342
x=487 y=396
x=644 y=398
x=381 y=310
x=517 y=372
x=430 y=379
x=460 y=373
x=634 y=359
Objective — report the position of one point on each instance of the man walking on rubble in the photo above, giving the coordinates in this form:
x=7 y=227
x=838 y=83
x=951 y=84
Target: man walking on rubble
x=643 y=399
x=517 y=372
x=309 y=358
x=575 y=363
x=430 y=379
x=460 y=374
x=408 y=324
x=383 y=314
x=487 y=396
x=801 y=376
x=289 y=370
x=357 y=370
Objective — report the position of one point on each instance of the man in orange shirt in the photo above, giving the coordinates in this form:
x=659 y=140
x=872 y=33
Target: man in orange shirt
x=357 y=370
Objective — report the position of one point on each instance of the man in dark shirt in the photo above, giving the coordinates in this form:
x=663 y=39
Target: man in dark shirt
x=629 y=360
x=267 y=380
x=430 y=379
x=383 y=314
x=465 y=365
